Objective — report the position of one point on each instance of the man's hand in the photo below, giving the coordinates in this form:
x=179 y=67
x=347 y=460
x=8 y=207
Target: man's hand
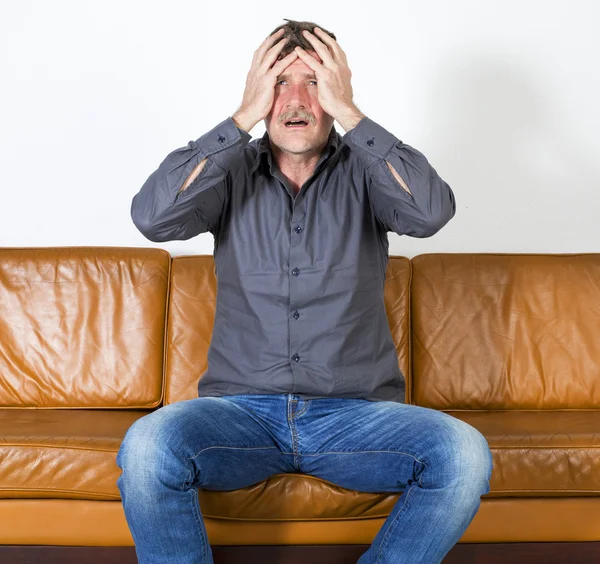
x=260 y=83
x=333 y=78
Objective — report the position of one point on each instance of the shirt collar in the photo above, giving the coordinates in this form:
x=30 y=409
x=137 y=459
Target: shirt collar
x=264 y=148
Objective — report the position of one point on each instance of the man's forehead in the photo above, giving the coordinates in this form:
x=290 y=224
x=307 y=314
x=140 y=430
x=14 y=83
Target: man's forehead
x=300 y=67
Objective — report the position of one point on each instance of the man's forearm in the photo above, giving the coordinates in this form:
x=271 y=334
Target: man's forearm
x=243 y=121
x=350 y=118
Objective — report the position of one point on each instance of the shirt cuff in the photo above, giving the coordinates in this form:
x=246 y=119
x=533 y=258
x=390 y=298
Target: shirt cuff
x=223 y=142
x=372 y=141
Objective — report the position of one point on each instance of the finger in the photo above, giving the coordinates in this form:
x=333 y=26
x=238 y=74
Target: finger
x=310 y=61
x=320 y=48
x=280 y=66
x=272 y=54
x=276 y=34
x=265 y=45
x=333 y=45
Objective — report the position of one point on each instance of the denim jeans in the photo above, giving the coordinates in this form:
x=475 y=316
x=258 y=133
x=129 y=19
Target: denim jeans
x=442 y=465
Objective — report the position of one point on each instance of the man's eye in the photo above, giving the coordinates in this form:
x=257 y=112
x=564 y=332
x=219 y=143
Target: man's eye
x=280 y=81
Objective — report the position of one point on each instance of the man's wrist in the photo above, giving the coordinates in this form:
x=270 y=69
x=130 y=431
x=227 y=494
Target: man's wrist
x=243 y=122
x=350 y=118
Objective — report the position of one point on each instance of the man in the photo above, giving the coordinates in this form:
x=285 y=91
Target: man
x=302 y=370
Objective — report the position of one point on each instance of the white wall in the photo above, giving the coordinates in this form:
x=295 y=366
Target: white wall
x=501 y=96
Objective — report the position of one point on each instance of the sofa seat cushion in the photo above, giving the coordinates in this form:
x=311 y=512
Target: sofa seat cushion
x=541 y=453
x=292 y=497
x=63 y=453
x=71 y=454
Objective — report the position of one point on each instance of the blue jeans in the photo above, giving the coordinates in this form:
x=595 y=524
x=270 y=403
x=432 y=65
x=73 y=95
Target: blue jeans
x=442 y=465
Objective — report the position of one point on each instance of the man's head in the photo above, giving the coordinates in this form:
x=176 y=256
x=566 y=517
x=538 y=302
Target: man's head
x=296 y=98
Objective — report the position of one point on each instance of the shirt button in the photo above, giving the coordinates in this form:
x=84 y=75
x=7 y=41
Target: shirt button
x=298 y=229
x=222 y=139
x=370 y=142
x=296 y=314
x=295 y=272
x=295 y=358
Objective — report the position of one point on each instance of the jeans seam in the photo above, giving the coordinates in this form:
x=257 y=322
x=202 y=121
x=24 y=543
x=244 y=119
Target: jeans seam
x=195 y=511
x=294 y=444
x=368 y=451
x=422 y=474
x=303 y=411
x=295 y=447
x=230 y=448
x=385 y=536
x=188 y=480
x=292 y=427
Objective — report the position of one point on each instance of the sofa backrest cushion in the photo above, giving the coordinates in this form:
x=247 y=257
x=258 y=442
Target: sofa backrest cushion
x=82 y=326
x=192 y=306
x=505 y=331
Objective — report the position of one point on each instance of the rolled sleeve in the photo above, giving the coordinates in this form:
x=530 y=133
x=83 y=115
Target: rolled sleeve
x=221 y=144
x=162 y=212
x=430 y=203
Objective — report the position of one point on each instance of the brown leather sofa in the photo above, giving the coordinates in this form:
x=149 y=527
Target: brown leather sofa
x=92 y=338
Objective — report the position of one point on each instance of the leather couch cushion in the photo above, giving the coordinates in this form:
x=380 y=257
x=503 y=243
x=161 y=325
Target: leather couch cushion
x=82 y=327
x=540 y=453
x=71 y=454
x=506 y=331
x=192 y=310
x=62 y=453
x=295 y=496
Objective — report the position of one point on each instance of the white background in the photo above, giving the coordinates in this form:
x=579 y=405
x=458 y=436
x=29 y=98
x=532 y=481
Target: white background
x=501 y=96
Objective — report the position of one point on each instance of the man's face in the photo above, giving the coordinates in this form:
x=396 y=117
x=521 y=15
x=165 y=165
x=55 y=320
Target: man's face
x=296 y=99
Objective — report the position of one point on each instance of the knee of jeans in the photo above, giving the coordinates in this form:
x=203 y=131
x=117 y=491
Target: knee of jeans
x=468 y=455
x=475 y=456
x=144 y=449
x=134 y=441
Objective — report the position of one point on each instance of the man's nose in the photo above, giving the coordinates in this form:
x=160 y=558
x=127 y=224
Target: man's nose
x=297 y=97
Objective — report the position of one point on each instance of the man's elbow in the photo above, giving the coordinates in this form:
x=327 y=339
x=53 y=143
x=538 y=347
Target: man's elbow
x=429 y=224
x=165 y=228
x=149 y=230
x=432 y=226
x=148 y=227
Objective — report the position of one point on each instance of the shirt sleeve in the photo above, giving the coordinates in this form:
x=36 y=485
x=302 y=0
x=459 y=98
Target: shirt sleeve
x=162 y=213
x=431 y=203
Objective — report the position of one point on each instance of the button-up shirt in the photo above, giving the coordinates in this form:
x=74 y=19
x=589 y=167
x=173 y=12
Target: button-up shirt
x=300 y=277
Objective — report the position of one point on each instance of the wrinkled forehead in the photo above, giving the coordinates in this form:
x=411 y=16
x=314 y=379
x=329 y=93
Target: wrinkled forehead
x=300 y=67
x=312 y=53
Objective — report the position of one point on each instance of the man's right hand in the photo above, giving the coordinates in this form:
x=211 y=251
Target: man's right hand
x=260 y=83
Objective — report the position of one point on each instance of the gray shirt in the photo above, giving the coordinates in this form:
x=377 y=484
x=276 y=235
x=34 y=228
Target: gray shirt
x=300 y=278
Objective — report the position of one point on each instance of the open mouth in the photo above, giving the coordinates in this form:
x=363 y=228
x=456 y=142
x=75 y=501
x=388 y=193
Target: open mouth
x=292 y=124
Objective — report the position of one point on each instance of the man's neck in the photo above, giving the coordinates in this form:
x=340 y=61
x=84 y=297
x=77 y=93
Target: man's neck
x=297 y=168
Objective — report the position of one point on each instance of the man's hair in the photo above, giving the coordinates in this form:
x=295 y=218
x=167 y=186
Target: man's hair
x=293 y=30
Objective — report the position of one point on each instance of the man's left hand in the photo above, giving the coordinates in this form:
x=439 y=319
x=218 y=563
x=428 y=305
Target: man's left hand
x=333 y=78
